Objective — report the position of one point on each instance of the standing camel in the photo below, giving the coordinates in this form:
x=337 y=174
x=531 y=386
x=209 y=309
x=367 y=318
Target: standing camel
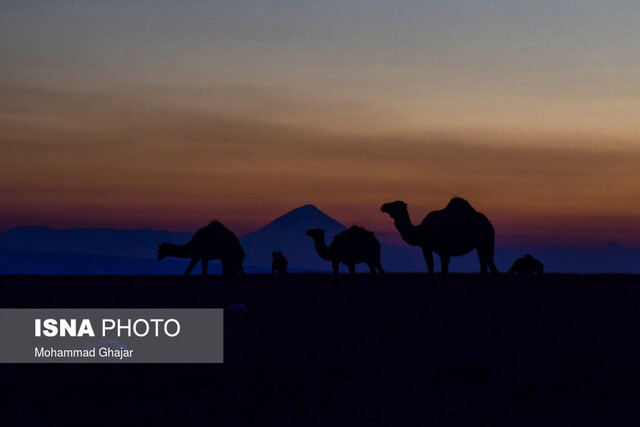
x=453 y=231
x=212 y=242
x=350 y=247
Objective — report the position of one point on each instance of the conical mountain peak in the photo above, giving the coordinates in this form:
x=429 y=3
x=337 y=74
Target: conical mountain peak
x=306 y=214
x=287 y=233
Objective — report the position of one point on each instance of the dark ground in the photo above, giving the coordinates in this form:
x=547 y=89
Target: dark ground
x=561 y=351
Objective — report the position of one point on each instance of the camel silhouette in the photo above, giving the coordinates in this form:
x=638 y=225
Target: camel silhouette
x=453 y=231
x=350 y=247
x=212 y=242
x=279 y=264
x=526 y=266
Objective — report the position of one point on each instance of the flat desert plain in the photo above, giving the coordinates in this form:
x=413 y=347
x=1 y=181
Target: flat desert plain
x=559 y=350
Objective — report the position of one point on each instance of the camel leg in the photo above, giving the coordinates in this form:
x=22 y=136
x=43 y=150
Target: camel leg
x=487 y=259
x=482 y=257
x=444 y=261
x=336 y=268
x=381 y=271
x=352 y=270
x=428 y=257
x=372 y=268
x=192 y=264
x=205 y=266
x=483 y=270
x=494 y=270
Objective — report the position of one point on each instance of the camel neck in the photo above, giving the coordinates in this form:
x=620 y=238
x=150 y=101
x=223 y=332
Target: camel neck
x=322 y=249
x=407 y=230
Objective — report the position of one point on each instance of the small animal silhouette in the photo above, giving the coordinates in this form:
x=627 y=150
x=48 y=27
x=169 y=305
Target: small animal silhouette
x=212 y=242
x=526 y=266
x=279 y=264
x=350 y=247
x=453 y=231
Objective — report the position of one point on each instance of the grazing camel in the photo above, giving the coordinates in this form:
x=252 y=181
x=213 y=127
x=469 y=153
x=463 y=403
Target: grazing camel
x=349 y=247
x=526 y=266
x=279 y=264
x=212 y=242
x=453 y=231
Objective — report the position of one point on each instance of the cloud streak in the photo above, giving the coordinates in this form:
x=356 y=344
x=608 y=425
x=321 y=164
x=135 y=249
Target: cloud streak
x=119 y=159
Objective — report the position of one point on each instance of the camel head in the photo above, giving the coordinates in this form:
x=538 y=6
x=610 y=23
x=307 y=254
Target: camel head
x=394 y=209
x=163 y=251
x=316 y=234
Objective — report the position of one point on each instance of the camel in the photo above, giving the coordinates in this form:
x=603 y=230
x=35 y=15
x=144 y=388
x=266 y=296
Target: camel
x=279 y=264
x=212 y=242
x=526 y=266
x=453 y=231
x=350 y=247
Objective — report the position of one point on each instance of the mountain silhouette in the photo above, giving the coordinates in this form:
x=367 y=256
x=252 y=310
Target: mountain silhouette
x=287 y=234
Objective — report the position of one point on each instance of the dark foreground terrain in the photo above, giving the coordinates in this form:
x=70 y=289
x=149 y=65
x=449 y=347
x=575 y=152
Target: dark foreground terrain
x=564 y=350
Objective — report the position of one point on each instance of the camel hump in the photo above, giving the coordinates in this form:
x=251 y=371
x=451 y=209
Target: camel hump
x=356 y=238
x=356 y=229
x=459 y=204
x=218 y=227
x=354 y=233
x=214 y=231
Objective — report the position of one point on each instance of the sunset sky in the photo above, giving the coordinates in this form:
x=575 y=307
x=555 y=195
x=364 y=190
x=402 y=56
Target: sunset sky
x=158 y=114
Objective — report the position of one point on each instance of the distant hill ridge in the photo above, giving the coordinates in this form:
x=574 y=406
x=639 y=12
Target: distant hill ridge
x=140 y=243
